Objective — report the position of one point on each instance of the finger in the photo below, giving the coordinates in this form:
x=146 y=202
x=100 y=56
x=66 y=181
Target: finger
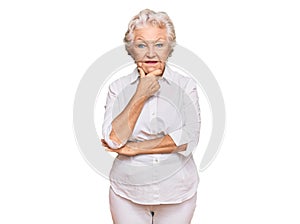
x=156 y=87
x=141 y=71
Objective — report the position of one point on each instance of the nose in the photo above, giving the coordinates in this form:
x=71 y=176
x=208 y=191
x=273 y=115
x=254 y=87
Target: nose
x=151 y=53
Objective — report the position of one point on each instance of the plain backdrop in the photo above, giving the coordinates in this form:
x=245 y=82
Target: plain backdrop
x=252 y=48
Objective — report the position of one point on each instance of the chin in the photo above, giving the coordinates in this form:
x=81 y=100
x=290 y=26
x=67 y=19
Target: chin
x=148 y=68
x=151 y=69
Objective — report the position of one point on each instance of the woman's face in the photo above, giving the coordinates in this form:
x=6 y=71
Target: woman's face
x=150 y=48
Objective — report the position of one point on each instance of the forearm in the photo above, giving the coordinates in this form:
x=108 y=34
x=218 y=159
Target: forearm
x=123 y=124
x=157 y=146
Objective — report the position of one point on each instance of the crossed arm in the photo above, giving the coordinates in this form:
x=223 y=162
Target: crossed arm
x=159 y=145
x=124 y=123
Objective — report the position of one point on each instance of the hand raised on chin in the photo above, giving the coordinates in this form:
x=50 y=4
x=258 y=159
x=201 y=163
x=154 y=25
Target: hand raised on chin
x=148 y=84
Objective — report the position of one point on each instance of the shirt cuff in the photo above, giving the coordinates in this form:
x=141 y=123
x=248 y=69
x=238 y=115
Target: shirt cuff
x=181 y=137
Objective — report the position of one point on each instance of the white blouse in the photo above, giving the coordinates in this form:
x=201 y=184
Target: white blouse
x=174 y=111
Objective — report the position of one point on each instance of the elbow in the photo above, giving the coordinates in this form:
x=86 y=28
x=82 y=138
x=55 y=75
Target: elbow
x=187 y=149
x=112 y=144
x=182 y=148
x=115 y=142
x=111 y=139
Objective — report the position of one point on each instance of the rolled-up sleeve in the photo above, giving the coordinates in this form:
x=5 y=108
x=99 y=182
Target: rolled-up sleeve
x=111 y=104
x=189 y=132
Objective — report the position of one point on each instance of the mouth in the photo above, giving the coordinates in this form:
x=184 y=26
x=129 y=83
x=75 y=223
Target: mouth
x=150 y=62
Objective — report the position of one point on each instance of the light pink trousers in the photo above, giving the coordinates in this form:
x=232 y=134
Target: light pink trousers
x=124 y=211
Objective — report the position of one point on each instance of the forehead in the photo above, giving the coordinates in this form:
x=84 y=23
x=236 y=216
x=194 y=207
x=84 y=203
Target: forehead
x=150 y=32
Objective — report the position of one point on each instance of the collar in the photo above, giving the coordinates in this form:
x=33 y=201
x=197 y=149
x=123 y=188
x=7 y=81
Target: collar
x=167 y=75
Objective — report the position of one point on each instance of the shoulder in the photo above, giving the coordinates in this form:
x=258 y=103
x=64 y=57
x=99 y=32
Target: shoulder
x=185 y=82
x=122 y=82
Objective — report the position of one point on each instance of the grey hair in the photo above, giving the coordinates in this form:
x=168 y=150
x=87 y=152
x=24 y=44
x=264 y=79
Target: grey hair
x=145 y=17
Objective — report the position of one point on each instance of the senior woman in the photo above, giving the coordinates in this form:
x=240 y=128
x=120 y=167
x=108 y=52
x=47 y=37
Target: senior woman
x=152 y=121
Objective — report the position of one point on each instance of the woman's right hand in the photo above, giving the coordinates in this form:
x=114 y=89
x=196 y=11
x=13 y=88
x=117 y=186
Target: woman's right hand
x=148 y=84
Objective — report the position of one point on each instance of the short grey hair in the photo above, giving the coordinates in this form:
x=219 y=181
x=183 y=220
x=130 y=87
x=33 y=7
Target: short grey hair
x=145 y=17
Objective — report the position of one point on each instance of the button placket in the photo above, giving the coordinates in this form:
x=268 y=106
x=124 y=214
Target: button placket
x=153 y=106
x=155 y=176
x=153 y=114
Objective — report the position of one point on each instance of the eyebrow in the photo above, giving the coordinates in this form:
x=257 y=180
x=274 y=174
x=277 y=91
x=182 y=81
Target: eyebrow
x=159 y=39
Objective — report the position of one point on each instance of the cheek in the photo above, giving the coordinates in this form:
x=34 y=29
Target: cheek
x=136 y=57
x=163 y=55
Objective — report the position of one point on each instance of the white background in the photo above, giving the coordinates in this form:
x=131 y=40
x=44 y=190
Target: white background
x=252 y=48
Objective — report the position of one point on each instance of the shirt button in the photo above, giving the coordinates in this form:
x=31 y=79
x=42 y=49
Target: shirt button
x=156 y=160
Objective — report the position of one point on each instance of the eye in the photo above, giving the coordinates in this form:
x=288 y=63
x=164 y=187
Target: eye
x=141 y=46
x=159 y=45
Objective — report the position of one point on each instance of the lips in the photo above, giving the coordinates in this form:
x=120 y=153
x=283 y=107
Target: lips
x=151 y=62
